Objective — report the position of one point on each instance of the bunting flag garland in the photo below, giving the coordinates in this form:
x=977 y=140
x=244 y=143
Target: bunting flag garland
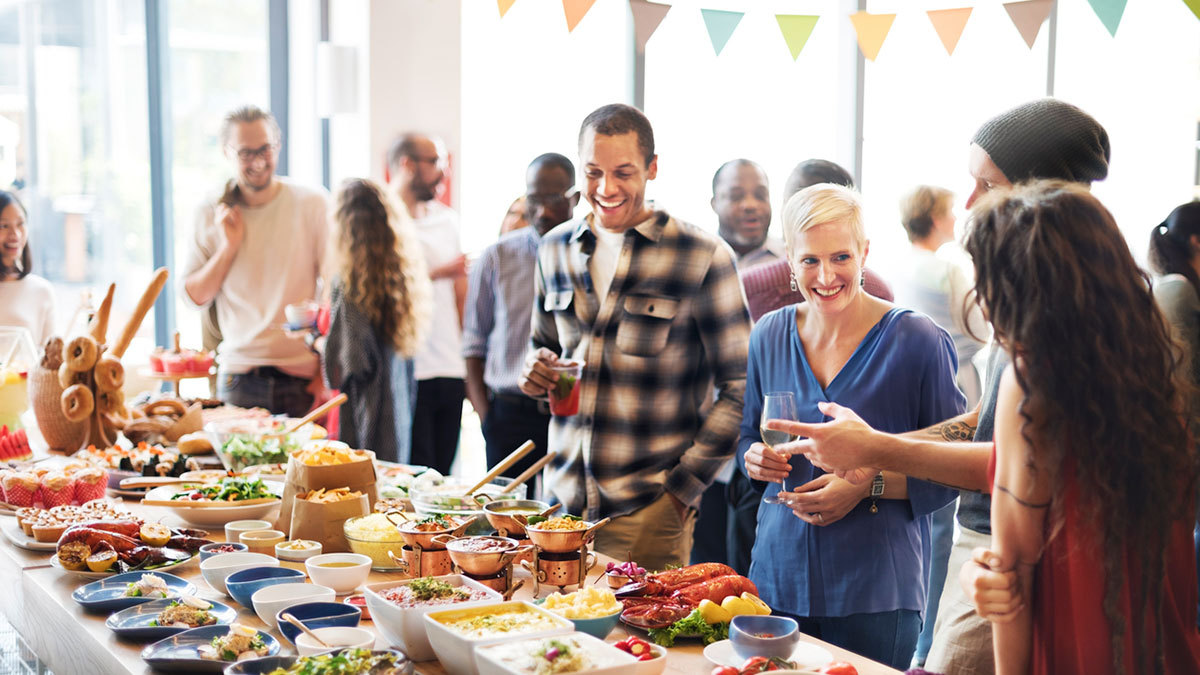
x=575 y=10
x=1028 y=17
x=720 y=24
x=1110 y=12
x=949 y=24
x=796 y=29
x=646 y=18
x=1193 y=5
x=504 y=6
x=872 y=30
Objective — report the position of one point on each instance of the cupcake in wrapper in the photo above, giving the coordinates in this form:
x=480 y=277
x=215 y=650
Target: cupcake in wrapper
x=57 y=489
x=20 y=488
x=90 y=484
x=3 y=473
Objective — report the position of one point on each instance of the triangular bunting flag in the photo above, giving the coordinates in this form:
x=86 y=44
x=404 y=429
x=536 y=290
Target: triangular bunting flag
x=1110 y=12
x=646 y=18
x=721 y=25
x=949 y=24
x=872 y=30
x=1193 y=5
x=504 y=5
x=796 y=28
x=1028 y=17
x=575 y=11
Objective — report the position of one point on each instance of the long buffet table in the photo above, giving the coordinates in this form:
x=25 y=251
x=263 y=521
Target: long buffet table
x=37 y=601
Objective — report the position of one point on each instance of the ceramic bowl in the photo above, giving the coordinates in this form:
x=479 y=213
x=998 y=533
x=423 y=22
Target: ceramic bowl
x=343 y=578
x=209 y=550
x=269 y=664
x=297 y=554
x=262 y=541
x=217 y=569
x=237 y=527
x=317 y=615
x=269 y=601
x=456 y=651
x=599 y=627
x=243 y=584
x=405 y=627
x=747 y=635
x=338 y=637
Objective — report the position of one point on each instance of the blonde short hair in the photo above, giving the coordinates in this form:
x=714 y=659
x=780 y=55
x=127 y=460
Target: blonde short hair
x=821 y=204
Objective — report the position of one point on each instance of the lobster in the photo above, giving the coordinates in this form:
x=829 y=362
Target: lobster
x=662 y=599
x=94 y=536
x=666 y=583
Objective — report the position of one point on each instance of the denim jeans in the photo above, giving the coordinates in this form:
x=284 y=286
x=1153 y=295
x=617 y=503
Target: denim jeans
x=887 y=637
x=943 y=539
x=268 y=388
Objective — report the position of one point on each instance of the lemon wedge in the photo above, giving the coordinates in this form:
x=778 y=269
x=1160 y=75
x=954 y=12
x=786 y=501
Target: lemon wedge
x=757 y=602
x=714 y=613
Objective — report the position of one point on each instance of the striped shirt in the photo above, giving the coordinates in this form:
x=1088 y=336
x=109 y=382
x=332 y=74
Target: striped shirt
x=499 y=302
x=674 y=321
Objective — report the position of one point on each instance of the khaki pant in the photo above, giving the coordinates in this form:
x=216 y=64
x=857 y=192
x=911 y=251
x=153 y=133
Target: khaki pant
x=962 y=642
x=654 y=535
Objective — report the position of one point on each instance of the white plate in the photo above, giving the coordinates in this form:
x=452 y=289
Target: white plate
x=214 y=516
x=806 y=655
x=16 y=536
x=88 y=574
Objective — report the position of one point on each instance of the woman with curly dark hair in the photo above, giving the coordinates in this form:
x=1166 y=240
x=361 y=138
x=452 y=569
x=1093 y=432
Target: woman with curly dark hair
x=1094 y=471
x=379 y=309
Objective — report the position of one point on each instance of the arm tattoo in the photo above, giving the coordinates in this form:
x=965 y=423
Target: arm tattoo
x=954 y=431
x=1022 y=502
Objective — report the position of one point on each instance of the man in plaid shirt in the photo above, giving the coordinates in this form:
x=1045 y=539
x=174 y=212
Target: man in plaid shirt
x=654 y=308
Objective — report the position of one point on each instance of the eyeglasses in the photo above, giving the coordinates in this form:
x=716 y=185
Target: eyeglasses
x=248 y=155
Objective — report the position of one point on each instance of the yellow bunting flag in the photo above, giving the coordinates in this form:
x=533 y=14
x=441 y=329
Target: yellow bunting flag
x=646 y=18
x=796 y=28
x=872 y=30
x=949 y=24
x=504 y=6
x=1028 y=17
x=1193 y=5
x=575 y=11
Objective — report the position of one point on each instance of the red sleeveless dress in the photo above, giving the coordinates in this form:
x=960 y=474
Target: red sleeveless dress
x=1071 y=634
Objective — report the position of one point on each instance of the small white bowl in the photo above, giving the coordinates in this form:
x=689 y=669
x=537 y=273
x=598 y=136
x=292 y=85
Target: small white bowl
x=218 y=568
x=234 y=529
x=337 y=637
x=269 y=601
x=262 y=541
x=297 y=554
x=342 y=579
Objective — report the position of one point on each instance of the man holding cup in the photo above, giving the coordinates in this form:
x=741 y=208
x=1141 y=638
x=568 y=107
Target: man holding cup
x=653 y=309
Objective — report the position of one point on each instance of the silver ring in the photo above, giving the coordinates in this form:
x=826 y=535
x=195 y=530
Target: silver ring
x=820 y=518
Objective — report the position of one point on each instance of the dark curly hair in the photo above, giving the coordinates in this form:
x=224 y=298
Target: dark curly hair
x=1102 y=384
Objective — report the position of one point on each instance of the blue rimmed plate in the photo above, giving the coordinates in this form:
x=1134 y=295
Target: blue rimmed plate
x=181 y=652
x=269 y=663
x=108 y=594
x=140 y=621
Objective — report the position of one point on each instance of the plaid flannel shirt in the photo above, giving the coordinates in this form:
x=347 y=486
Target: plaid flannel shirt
x=674 y=321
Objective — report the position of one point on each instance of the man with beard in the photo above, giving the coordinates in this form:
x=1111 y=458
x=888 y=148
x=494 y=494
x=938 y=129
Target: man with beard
x=255 y=249
x=499 y=304
x=416 y=163
x=742 y=202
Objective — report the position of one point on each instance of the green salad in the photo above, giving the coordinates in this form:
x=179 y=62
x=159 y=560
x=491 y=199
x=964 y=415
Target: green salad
x=244 y=451
x=228 y=490
x=345 y=662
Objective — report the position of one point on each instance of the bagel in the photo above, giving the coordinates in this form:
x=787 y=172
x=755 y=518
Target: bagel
x=166 y=406
x=66 y=376
x=77 y=403
x=81 y=353
x=109 y=373
x=52 y=355
x=110 y=402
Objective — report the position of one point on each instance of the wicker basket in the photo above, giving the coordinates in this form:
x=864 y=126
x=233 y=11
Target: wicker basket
x=45 y=396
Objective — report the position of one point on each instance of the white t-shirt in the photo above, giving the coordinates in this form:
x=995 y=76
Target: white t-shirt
x=441 y=355
x=277 y=264
x=603 y=263
x=28 y=303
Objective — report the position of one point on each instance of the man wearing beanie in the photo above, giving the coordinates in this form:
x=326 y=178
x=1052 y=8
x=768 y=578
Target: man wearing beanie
x=1044 y=139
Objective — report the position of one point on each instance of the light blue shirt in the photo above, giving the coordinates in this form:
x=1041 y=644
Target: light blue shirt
x=498 y=308
x=900 y=378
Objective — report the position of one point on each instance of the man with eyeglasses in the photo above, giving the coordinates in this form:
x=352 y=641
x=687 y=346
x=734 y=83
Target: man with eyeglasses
x=416 y=165
x=499 y=306
x=256 y=248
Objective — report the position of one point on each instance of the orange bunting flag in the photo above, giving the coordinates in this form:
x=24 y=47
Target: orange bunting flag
x=1028 y=17
x=504 y=6
x=646 y=18
x=575 y=11
x=872 y=30
x=949 y=24
x=796 y=29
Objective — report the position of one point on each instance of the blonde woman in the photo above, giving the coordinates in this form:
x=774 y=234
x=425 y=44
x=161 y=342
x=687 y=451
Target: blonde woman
x=379 y=310
x=849 y=562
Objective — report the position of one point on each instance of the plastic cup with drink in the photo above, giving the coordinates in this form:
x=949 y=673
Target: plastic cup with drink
x=564 y=395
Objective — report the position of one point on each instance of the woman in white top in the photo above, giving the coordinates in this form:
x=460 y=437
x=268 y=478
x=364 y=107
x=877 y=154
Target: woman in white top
x=26 y=300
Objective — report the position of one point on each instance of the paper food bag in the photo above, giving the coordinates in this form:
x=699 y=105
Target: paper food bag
x=301 y=478
x=323 y=521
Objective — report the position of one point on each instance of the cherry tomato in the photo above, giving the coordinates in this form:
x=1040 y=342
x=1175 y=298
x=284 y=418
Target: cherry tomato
x=757 y=664
x=648 y=656
x=725 y=670
x=839 y=668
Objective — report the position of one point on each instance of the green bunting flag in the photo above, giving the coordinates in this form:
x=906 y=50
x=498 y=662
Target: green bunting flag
x=796 y=28
x=1110 y=12
x=721 y=25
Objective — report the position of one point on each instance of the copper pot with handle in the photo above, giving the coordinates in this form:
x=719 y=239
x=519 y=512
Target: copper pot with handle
x=425 y=538
x=481 y=556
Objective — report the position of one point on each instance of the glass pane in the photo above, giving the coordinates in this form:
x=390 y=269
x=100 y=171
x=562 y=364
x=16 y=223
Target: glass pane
x=218 y=62
x=82 y=168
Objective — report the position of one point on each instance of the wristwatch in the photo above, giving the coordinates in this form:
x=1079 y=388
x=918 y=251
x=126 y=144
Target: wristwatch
x=876 y=491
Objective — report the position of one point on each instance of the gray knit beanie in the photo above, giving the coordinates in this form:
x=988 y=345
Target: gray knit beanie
x=1046 y=139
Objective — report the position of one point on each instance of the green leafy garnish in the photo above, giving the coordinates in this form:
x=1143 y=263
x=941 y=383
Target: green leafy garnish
x=562 y=388
x=228 y=490
x=340 y=663
x=428 y=588
x=692 y=624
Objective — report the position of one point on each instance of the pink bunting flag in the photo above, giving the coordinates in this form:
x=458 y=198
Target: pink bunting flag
x=949 y=24
x=646 y=18
x=1028 y=17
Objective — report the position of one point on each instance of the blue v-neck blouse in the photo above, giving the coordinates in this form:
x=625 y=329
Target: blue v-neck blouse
x=900 y=378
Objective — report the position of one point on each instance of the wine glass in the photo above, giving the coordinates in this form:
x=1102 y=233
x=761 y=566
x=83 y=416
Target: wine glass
x=777 y=405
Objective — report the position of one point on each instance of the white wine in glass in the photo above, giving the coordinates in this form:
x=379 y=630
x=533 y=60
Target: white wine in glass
x=777 y=405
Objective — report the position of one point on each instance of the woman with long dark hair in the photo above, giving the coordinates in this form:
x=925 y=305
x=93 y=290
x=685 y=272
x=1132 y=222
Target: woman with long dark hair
x=379 y=309
x=1175 y=258
x=26 y=300
x=1095 y=474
